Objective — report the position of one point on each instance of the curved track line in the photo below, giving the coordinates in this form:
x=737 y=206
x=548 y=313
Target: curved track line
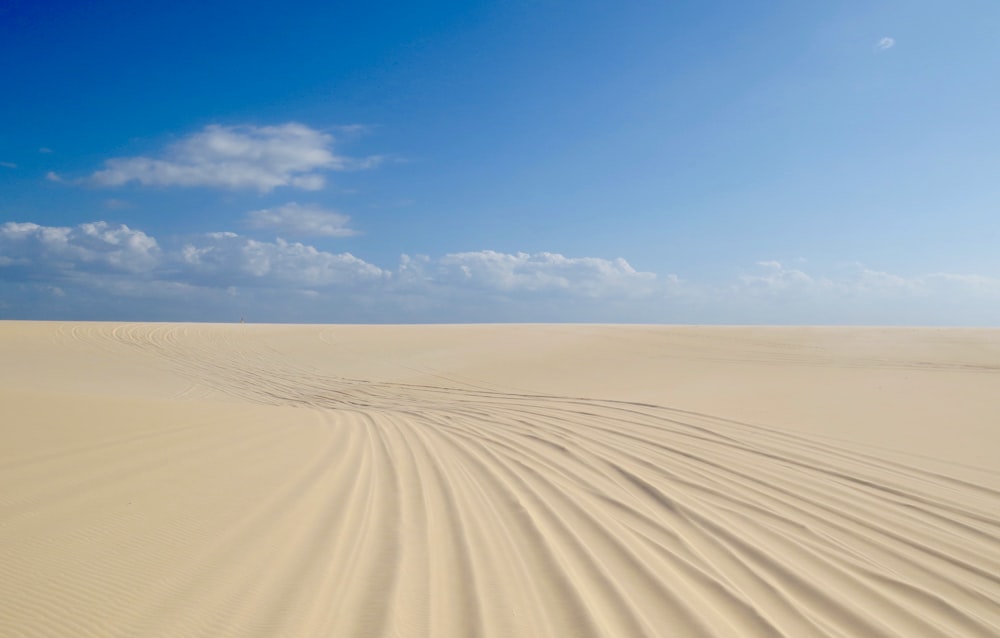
x=464 y=509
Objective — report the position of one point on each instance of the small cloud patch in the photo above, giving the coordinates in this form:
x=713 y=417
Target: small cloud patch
x=261 y=158
x=303 y=220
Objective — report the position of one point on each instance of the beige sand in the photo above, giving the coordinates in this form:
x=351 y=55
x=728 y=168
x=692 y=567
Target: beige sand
x=245 y=480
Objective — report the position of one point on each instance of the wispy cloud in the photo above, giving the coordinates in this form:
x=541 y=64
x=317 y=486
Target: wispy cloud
x=885 y=43
x=8 y=164
x=237 y=157
x=45 y=149
x=304 y=220
x=52 y=176
x=116 y=204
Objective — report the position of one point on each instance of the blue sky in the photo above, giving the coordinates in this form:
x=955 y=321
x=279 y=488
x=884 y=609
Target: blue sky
x=718 y=162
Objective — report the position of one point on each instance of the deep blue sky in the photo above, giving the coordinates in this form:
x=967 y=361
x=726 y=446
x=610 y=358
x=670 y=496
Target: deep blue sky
x=750 y=161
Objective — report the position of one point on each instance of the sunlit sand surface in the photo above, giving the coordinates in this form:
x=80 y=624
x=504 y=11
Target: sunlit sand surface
x=458 y=481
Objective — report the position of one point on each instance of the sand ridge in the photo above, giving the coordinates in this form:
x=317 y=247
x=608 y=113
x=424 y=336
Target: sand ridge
x=207 y=480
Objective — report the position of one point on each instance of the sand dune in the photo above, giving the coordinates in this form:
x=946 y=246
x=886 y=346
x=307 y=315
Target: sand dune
x=246 y=480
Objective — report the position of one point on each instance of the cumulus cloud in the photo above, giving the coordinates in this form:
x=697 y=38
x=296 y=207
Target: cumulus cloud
x=938 y=285
x=230 y=259
x=237 y=157
x=855 y=293
x=119 y=262
x=773 y=277
x=302 y=220
x=543 y=272
x=111 y=271
x=91 y=247
x=107 y=271
x=494 y=286
x=885 y=44
x=221 y=259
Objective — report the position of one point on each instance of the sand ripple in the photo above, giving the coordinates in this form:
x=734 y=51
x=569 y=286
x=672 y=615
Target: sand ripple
x=283 y=499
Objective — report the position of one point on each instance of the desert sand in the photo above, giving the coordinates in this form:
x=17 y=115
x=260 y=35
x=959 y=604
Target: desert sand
x=498 y=480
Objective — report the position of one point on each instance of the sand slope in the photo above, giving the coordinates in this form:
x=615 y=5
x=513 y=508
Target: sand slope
x=243 y=480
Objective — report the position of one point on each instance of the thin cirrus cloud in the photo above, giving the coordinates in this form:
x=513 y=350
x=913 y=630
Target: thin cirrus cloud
x=259 y=158
x=885 y=43
x=301 y=220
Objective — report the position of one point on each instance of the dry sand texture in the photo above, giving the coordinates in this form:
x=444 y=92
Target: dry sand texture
x=244 y=480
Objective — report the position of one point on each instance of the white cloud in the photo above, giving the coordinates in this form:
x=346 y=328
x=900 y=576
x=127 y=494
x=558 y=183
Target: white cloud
x=52 y=176
x=8 y=164
x=226 y=259
x=774 y=278
x=237 y=157
x=543 y=272
x=92 y=247
x=118 y=262
x=301 y=220
x=114 y=271
x=494 y=286
x=885 y=44
x=46 y=150
x=864 y=280
x=932 y=285
x=859 y=294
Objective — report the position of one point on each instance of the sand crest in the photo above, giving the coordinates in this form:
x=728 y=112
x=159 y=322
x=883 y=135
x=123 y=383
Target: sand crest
x=249 y=480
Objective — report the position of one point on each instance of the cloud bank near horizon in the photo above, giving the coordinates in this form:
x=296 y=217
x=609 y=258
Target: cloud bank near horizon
x=99 y=270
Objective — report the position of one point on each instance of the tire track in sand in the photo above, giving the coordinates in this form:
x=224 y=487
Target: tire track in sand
x=450 y=507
